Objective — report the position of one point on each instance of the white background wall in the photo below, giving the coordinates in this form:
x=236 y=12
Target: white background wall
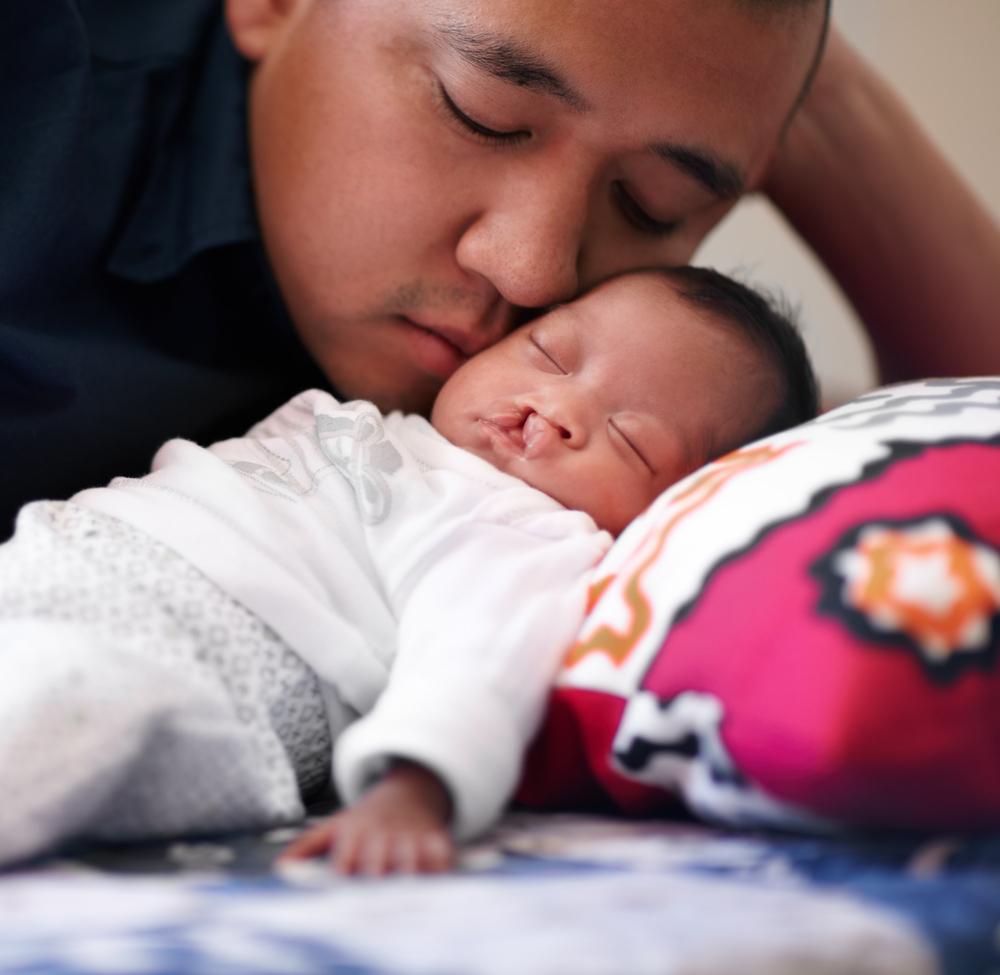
x=944 y=57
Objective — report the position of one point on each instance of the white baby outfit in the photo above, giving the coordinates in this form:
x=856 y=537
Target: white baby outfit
x=185 y=632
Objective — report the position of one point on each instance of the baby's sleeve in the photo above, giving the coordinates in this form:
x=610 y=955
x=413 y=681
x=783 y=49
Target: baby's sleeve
x=482 y=633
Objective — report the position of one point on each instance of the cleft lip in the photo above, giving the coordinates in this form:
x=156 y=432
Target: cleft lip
x=521 y=430
x=505 y=426
x=537 y=434
x=508 y=418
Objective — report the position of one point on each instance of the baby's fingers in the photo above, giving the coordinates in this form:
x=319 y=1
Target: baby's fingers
x=436 y=853
x=361 y=849
x=406 y=853
x=314 y=841
x=375 y=856
x=388 y=852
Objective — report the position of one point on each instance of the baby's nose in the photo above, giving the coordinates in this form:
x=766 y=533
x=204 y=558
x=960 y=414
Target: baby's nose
x=569 y=424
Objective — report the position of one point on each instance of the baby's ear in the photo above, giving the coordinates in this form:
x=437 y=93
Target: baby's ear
x=255 y=25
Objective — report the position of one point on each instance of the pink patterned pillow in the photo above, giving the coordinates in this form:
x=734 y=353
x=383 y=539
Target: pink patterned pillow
x=803 y=633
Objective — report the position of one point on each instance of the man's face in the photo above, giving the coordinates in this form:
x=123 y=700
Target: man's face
x=605 y=402
x=426 y=168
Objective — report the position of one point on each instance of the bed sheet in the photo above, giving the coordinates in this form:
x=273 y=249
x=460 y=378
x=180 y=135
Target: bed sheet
x=586 y=895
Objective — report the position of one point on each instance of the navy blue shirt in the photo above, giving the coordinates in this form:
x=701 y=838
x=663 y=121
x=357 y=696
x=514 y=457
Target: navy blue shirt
x=136 y=303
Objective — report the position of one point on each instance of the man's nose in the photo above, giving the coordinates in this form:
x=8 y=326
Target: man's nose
x=527 y=241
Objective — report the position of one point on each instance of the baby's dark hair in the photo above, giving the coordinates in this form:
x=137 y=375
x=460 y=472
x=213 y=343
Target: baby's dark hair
x=769 y=326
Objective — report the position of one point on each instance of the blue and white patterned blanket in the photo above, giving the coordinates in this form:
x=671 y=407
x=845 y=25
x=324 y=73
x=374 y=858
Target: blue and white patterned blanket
x=546 y=894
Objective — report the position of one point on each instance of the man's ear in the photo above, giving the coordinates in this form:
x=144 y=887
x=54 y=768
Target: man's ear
x=255 y=24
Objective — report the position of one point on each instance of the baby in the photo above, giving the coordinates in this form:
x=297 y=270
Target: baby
x=183 y=651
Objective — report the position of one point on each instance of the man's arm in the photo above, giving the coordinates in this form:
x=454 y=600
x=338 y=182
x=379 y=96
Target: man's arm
x=915 y=251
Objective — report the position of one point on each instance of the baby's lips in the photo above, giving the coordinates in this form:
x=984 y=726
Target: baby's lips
x=538 y=434
x=506 y=419
x=504 y=427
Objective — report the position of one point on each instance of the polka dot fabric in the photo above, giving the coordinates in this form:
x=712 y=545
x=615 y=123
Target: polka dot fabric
x=804 y=633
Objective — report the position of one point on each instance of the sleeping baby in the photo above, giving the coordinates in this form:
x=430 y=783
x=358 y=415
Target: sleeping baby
x=185 y=651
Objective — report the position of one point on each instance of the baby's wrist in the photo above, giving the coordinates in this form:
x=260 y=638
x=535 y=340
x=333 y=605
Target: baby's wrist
x=422 y=784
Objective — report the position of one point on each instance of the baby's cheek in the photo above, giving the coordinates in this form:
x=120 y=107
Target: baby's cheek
x=619 y=500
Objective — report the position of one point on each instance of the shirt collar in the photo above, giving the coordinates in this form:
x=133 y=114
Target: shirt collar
x=197 y=192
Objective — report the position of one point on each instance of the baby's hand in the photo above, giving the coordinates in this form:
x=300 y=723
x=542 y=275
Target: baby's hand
x=398 y=826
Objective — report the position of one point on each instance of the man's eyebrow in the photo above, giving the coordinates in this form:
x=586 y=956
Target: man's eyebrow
x=509 y=61
x=719 y=177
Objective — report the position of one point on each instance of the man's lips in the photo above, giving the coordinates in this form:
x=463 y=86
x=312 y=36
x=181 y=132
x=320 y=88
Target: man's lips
x=431 y=350
x=439 y=350
x=467 y=341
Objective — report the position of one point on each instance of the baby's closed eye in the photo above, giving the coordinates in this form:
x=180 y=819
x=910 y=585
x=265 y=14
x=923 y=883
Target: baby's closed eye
x=630 y=443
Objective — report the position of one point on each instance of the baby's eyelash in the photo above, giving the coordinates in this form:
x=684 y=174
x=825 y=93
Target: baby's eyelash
x=545 y=353
x=621 y=433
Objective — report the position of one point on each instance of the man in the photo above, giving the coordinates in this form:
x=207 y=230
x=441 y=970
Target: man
x=418 y=174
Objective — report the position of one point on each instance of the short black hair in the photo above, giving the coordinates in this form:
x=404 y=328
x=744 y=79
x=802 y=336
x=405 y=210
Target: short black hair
x=769 y=323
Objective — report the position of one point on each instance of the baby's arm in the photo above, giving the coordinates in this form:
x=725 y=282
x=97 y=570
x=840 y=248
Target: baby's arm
x=398 y=825
x=485 y=612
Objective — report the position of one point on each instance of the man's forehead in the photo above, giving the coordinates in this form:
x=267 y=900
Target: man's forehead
x=513 y=50
x=621 y=32
x=711 y=84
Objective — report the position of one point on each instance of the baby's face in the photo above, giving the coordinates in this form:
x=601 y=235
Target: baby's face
x=605 y=402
